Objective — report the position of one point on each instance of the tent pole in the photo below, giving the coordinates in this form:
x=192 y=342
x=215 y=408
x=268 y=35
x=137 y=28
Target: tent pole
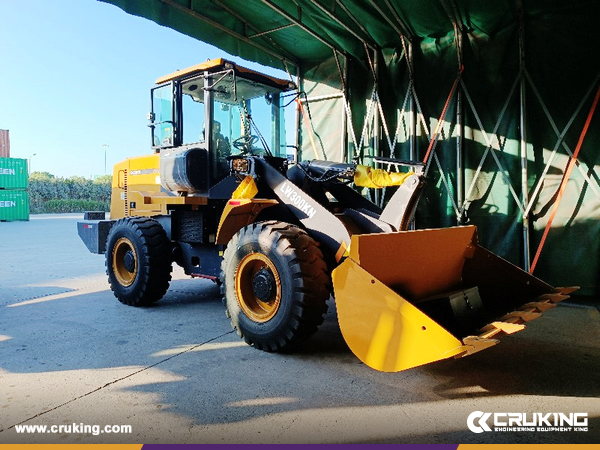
x=454 y=16
x=300 y=81
x=460 y=164
x=376 y=117
x=344 y=138
x=460 y=154
x=523 y=126
x=412 y=106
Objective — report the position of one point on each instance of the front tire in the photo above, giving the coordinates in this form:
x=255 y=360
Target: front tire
x=275 y=285
x=138 y=261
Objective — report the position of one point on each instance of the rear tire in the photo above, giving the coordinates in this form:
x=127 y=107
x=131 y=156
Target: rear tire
x=138 y=261
x=275 y=285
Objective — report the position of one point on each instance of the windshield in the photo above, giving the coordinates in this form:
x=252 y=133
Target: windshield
x=249 y=113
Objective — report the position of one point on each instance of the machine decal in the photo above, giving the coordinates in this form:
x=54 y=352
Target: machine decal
x=297 y=200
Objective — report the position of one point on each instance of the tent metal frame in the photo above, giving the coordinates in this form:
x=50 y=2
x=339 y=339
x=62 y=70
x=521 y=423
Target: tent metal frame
x=458 y=193
x=356 y=35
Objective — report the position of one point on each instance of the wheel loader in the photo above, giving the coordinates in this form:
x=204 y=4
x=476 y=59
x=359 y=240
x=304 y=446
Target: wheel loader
x=220 y=197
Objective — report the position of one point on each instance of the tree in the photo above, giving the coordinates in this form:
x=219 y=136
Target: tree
x=51 y=194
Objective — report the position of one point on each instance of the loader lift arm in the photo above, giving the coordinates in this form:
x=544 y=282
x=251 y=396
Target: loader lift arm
x=305 y=188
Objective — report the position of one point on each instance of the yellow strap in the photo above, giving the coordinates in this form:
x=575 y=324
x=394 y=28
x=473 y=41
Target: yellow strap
x=246 y=189
x=378 y=178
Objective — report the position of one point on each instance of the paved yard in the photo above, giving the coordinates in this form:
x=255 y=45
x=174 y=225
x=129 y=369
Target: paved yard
x=71 y=355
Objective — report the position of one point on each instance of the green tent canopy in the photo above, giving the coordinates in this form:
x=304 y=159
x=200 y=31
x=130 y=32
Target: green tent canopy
x=496 y=93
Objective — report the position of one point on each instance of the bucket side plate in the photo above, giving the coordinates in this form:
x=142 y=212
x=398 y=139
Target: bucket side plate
x=383 y=329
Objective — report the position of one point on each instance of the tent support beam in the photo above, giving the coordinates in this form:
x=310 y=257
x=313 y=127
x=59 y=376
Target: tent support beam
x=344 y=139
x=273 y=30
x=457 y=24
x=300 y=25
x=376 y=122
x=523 y=126
x=343 y=25
x=412 y=127
x=224 y=29
x=560 y=135
x=255 y=31
x=407 y=39
x=298 y=117
x=356 y=22
x=561 y=142
x=403 y=29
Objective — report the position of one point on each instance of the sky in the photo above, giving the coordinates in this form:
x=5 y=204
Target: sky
x=75 y=79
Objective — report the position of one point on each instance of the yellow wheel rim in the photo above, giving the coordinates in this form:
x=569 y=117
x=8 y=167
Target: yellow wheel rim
x=258 y=287
x=124 y=262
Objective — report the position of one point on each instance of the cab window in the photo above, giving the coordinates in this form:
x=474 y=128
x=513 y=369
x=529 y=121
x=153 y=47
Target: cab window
x=192 y=108
x=162 y=124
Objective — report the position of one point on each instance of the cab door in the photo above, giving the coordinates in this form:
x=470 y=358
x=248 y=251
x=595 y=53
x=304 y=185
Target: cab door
x=162 y=116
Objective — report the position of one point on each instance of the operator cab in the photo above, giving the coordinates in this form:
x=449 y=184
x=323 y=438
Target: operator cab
x=204 y=114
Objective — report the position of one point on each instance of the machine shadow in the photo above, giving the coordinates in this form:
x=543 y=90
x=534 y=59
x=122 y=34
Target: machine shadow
x=521 y=365
x=324 y=373
x=228 y=382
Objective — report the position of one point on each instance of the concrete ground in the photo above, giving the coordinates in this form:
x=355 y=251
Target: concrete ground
x=72 y=355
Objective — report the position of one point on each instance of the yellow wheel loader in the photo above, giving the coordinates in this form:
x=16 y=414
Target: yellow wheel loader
x=220 y=198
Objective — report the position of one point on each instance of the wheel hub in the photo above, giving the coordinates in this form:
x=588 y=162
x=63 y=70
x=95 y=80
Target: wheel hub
x=263 y=284
x=129 y=261
x=258 y=287
x=124 y=262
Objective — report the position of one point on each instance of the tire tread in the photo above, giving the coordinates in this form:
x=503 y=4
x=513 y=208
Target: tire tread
x=311 y=282
x=155 y=261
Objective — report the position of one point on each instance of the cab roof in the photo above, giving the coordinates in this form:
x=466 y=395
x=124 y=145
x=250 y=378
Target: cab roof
x=218 y=65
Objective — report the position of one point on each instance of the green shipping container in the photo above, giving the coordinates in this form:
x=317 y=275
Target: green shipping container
x=13 y=173
x=14 y=205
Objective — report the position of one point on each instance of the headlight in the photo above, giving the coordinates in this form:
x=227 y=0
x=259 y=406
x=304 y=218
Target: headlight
x=240 y=165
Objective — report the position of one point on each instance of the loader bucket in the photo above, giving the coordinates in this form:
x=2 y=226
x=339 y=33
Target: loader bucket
x=409 y=298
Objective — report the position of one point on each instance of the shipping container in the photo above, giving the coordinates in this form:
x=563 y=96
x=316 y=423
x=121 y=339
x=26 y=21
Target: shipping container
x=4 y=144
x=13 y=173
x=14 y=205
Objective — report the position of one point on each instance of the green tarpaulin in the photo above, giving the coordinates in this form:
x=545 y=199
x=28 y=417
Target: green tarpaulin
x=379 y=73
